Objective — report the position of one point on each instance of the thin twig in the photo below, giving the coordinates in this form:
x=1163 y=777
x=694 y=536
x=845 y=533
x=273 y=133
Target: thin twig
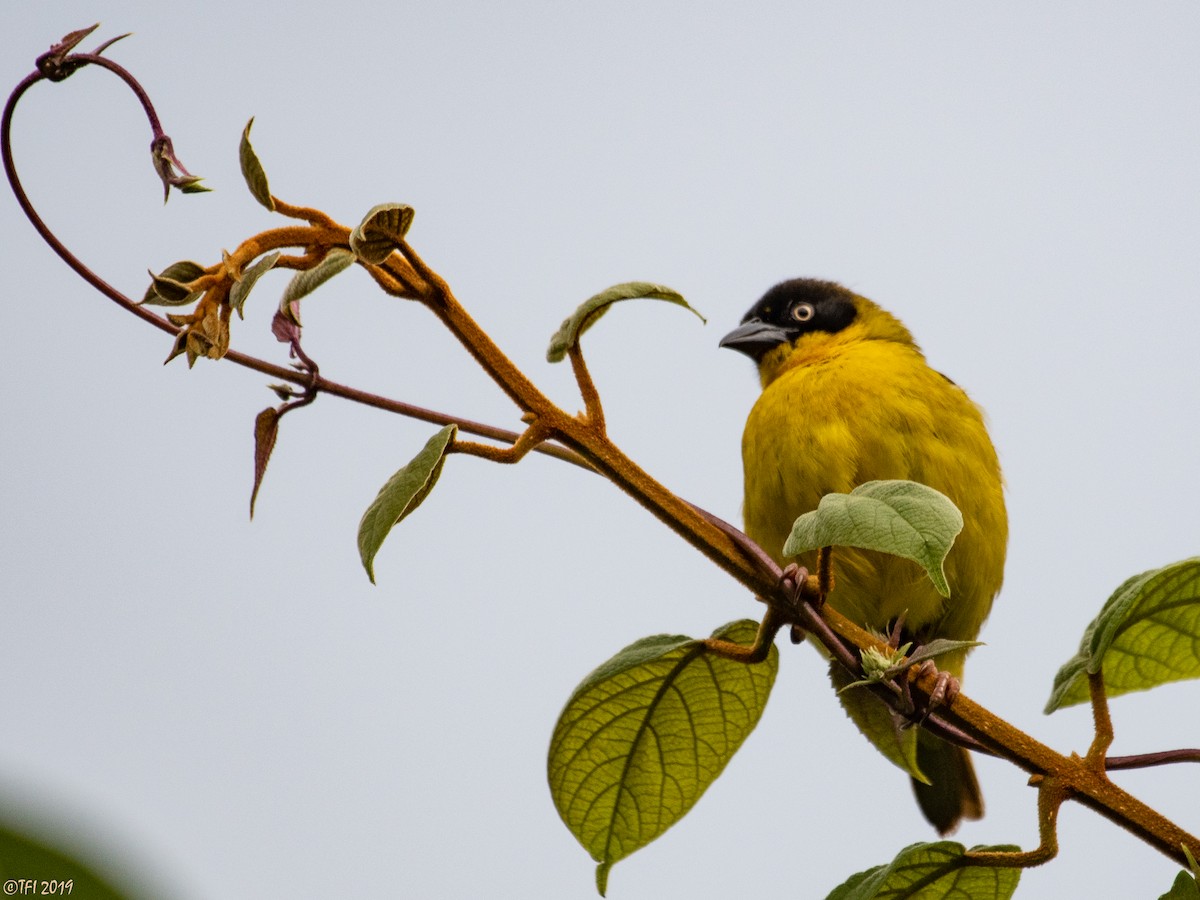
x=1147 y=760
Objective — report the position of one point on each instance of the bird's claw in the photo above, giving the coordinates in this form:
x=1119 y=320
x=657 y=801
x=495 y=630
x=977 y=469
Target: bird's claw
x=945 y=690
x=793 y=581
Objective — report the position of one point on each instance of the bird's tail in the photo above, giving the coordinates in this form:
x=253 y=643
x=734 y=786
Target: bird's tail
x=954 y=794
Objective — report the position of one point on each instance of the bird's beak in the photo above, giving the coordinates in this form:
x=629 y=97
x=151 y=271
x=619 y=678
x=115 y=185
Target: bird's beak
x=756 y=337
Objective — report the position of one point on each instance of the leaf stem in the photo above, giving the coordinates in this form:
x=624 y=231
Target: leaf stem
x=526 y=441
x=825 y=571
x=1103 y=722
x=1051 y=796
x=749 y=653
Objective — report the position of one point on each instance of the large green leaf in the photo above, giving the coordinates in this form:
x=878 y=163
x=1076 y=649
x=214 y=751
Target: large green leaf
x=646 y=733
x=403 y=493
x=931 y=871
x=593 y=308
x=1147 y=634
x=878 y=723
x=902 y=518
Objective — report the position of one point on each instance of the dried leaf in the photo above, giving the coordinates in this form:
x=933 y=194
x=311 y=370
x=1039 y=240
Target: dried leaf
x=266 y=429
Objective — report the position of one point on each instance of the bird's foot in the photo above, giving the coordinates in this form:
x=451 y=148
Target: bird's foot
x=794 y=580
x=946 y=688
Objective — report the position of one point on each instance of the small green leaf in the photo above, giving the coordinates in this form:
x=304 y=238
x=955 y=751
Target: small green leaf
x=266 y=429
x=241 y=289
x=902 y=518
x=592 y=309
x=252 y=170
x=403 y=493
x=304 y=283
x=938 y=647
x=1185 y=887
x=381 y=232
x=932 y=871
x=192 y=185
x=646 y=733
x=170 y=287
x=1147 y=634
x=878 y=723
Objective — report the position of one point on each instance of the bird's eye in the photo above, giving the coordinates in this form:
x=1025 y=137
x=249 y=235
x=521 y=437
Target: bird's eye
x=803 y=312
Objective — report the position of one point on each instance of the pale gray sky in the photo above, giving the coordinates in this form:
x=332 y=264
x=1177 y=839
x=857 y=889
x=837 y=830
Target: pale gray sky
x=233 y=709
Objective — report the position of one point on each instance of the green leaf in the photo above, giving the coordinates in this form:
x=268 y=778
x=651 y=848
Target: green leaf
x=403 y=493
x=304 y=283
x=1147 y=634
x=931 y=871
x=938 y=647
x=23 y=857
x=241 y=289
x=1185 y=887
x=878 y=723
x=170 y=287
x=252 y=170
x=646 y=733
x=902 y=518
x=192 y=185
x=592 y=309
x=381 y=232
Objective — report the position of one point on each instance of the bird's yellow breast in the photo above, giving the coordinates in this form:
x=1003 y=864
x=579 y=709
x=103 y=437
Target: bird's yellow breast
x=838 y=410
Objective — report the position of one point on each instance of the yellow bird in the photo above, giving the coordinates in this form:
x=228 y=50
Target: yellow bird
x=848 y=398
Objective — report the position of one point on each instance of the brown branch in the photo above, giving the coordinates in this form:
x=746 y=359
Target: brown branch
x=1147 y=760
x=582 y=442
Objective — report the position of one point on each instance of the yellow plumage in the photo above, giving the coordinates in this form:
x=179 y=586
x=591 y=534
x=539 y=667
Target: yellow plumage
x=848 y=398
